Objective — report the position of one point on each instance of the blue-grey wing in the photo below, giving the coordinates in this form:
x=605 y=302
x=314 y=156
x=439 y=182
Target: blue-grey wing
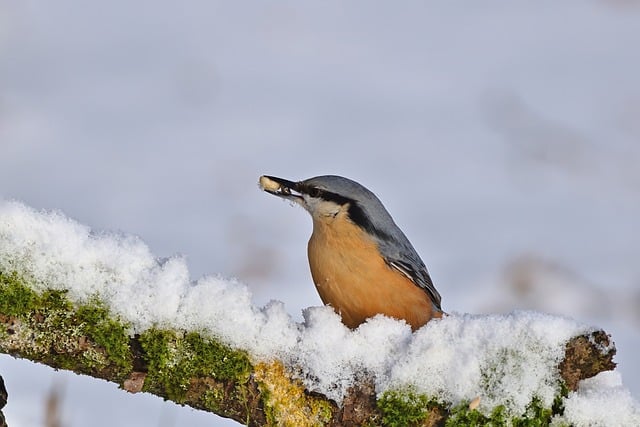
x=419 y=276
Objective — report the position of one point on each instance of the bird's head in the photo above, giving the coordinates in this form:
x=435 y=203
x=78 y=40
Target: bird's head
x=329 y=196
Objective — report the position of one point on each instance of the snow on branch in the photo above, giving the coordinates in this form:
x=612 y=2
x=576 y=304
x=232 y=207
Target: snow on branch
x=101 y=304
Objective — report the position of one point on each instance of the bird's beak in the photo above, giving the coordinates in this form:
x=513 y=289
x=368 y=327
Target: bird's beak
x=281 y=187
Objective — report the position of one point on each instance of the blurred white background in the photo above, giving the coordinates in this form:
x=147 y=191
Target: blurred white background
x=504 y=138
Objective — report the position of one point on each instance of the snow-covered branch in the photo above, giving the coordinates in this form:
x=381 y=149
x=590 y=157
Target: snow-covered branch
x=102 y=305
x=201 y=372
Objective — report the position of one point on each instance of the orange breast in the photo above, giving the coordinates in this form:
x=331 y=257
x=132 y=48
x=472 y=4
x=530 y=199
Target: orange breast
x=352 y=277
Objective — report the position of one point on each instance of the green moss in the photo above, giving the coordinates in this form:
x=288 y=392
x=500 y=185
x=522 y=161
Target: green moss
x=405 y=408
x=157 y=346
x=408 y=408
x=461 y=415
x=536 y=415
x=49 y=328
x=53 y=301
x=217 y=360
x=106 y=332
x=175 y=360
x=15 y=298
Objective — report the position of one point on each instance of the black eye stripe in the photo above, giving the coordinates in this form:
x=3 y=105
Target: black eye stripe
x=327 y=195
x=360 y=218
x=333 y=197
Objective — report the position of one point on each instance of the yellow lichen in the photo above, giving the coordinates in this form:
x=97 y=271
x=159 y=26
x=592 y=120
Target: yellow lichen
x=286 y=403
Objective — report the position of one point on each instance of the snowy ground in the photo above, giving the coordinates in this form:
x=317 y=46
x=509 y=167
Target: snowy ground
x=503 y=138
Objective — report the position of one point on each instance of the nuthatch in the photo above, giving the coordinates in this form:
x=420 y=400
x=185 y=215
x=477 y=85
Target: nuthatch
x=362 y=264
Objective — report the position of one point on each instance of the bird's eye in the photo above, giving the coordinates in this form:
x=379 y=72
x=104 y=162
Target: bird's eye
x=314 y=192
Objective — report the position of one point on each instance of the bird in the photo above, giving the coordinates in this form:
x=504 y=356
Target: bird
x=361 y=263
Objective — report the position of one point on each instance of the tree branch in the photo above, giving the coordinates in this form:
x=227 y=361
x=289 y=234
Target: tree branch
x=192 y=369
